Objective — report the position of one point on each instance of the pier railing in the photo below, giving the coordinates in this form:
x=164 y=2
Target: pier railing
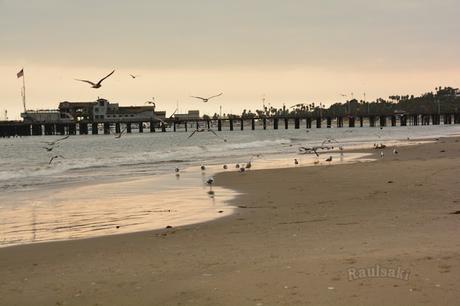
x=20 y=128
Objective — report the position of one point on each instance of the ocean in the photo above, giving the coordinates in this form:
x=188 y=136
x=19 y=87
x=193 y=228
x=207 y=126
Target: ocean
x=105 y=186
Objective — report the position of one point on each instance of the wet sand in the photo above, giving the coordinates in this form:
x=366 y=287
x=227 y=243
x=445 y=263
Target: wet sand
x=292 y=241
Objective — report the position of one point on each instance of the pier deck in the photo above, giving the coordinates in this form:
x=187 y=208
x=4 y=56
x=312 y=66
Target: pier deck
x=20 y=128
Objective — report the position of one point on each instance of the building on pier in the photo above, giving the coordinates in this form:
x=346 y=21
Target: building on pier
x=46 y=116
x=104 y=111
x=191 y=115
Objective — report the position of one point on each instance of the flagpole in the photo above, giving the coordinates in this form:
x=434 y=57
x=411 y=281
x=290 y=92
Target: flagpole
x=24 y=90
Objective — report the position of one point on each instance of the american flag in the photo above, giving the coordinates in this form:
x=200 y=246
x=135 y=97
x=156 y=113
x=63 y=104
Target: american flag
x=20 y=73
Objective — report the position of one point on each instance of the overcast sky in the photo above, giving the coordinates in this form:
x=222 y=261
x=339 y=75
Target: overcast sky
x=290 y=51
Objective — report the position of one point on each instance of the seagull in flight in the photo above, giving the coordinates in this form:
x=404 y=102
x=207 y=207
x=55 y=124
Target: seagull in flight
x=121 y=133
x=310 y=150
x=133 y=76
x=52 y=143
x=98 y=84
x=48 y=149
x=155 y=117
x=207 y=99
x=54 y=157
x=200 y=130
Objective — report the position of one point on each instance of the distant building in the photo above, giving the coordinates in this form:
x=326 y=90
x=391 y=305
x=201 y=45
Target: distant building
x=102 y=110
x=191 y=115
x=46 y=116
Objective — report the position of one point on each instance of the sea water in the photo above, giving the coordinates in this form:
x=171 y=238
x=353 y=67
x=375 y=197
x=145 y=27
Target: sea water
x=104 y=185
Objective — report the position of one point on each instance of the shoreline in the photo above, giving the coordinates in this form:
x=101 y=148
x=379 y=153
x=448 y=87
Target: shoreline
x=363 y=156
x=291 y=241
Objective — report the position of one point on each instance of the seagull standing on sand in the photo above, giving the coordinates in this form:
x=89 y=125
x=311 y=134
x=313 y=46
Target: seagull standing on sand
x=237 y=166
x=381 y=154
x=225 y=167
x=205 y=100
x=209 y=182
x=203 y=167
x=296 y=162
x=98 y=84
x=395 y=151
x=242 y=170
x=329 y=159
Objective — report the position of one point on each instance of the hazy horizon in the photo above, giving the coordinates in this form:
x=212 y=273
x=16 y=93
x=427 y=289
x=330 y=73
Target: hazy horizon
x=291 y=52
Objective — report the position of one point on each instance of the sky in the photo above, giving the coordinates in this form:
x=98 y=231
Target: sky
x=288 y=51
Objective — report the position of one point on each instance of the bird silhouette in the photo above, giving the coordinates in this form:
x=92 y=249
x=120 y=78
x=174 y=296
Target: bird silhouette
x=121 y=133
x=98 y=84
x=52 y=143
x=54 y=157
x=207 y=99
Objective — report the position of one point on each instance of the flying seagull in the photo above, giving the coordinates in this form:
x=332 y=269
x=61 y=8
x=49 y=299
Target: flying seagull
x=207 y=99
x=54 y=157
x=121 y=133
x=133 y=76
x=98 y=84
x=200 y=130
x=52 y=143
x=48 y=149
x=310 y=150
x=155 y=117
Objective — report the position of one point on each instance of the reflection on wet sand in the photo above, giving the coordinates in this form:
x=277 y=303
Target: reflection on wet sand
x=114 y=207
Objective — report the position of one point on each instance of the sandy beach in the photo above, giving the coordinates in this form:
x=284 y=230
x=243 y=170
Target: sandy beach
x=299 y=236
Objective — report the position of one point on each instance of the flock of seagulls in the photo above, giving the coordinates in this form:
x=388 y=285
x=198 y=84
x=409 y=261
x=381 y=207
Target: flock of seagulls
x=98 y=84
x=326 y=145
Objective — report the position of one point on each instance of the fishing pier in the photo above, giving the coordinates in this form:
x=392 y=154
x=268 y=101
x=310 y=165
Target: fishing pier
x=85 y=127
